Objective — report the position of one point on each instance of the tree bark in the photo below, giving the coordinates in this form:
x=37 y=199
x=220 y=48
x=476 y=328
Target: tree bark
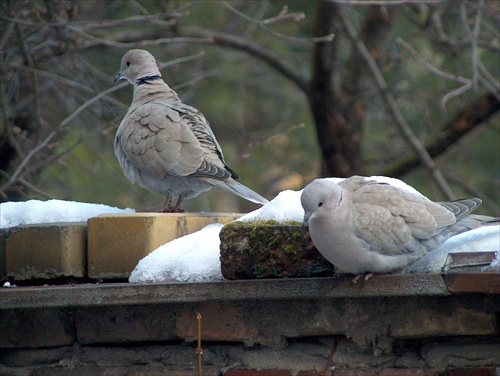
x=339 y=110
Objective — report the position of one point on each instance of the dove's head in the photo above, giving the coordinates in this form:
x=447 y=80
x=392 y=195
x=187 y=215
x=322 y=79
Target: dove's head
x=138 y=65
x=320 y=199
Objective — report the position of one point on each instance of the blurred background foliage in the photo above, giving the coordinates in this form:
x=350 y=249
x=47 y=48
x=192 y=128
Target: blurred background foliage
x=60 y=107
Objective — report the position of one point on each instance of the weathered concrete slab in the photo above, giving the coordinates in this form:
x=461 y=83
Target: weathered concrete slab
x=118 y=241
x=124 y=293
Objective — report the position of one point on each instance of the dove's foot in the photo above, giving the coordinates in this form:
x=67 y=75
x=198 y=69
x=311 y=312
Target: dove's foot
x=171 y=209
x=366 y=276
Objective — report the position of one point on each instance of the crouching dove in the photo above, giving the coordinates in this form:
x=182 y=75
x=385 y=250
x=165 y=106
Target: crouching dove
x=363 y=226
x=167 y=146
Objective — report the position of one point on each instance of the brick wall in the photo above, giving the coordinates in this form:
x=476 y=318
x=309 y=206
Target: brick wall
x=389 y=325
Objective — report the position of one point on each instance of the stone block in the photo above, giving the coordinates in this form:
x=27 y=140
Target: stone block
x=46 y=251
x=30 y=357
x=35 y=328
x=431 y=321
x=120 y=324
x=261 y=250
x=220 y=321
x=4 y=235
x=257 y=372
x=407 y=372
x=354 y=372
x=473 y=371
x=443 y=356
x=118 y=241
x=82 y=371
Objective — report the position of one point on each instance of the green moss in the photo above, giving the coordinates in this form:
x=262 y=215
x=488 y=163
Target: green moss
x=289 y=249
x=269 y=222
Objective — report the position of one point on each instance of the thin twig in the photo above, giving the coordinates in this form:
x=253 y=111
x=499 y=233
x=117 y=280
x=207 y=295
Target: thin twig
x=489 y=77
x=454 y=93
x=328 y=364
x=27 y=184
x=284 y=15
x=124 y=46
x=262 y=25
x=467 y=84
x=386 y=2
x=429 y=66
x=267 y=56
x=199 y=350
x=398 y=118
x=475 y=37
x=493 y=90
x=252 y=144
x=62 y=80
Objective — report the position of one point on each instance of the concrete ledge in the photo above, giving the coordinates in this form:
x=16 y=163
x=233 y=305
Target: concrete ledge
x=317 y=288
x=118 y=241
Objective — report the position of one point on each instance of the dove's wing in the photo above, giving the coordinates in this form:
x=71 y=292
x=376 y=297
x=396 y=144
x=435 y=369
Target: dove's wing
x=392 y=220
x=158 y=140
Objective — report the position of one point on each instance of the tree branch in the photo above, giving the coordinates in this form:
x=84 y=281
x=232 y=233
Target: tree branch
x=465 y=121
x=255 y=50
x=398 y=118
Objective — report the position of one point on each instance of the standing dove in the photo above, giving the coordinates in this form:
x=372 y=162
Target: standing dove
x=363 y=226
x=167 y=146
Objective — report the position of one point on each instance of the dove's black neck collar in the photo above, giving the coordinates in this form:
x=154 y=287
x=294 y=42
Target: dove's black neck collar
x=147 y=79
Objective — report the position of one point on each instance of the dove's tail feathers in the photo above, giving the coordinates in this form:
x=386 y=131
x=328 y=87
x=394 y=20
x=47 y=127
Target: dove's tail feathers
x=240 y=190
x=486 y=220
x=462 y=207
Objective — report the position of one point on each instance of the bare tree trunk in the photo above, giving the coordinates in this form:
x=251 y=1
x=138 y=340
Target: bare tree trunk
x=339 y=109
x=339 y=141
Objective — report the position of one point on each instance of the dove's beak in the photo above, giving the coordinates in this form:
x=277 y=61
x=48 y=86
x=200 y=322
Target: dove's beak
x=305 y=222
x=118 y=77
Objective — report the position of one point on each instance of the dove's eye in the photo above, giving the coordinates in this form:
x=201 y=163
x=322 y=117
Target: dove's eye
x=320 y=204
x=128 y=63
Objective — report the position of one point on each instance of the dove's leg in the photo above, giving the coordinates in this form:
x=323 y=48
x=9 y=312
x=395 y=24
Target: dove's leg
x=178 y=203
x=168 y=208
x=366 y=275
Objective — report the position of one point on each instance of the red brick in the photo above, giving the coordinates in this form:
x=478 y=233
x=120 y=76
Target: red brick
x=407 y=372
x=476 y=371
x=308 y=373
x=355 y=372
x=257 y=372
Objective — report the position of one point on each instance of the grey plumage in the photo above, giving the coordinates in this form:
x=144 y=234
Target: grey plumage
x=362 y=226
x=167 y=146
